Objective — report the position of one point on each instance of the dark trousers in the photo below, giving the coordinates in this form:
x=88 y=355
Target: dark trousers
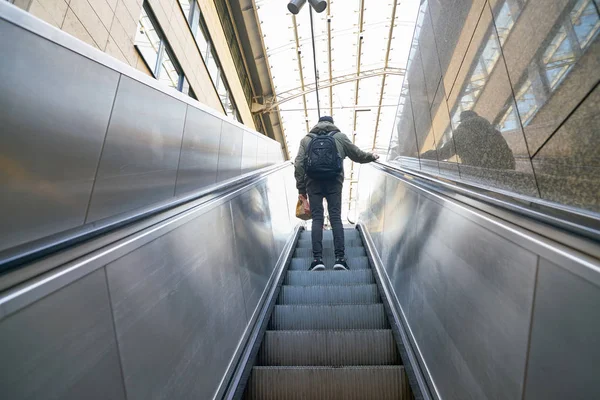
x=332 y=191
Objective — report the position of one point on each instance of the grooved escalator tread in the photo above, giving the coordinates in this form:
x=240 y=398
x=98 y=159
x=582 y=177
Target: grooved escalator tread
x=330 y=277
x=347 y=316
x=316 y=383
x=329 y=252
x=329 y=348
x=349 y=234
x=329 y=294
x=302 y=264
x=328 y=243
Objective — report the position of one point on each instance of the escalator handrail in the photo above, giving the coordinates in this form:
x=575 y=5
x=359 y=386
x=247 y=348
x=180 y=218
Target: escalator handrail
x=579 y=222
x=26 y=253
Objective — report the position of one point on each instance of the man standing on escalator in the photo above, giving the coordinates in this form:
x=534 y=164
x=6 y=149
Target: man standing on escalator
x=319 y=173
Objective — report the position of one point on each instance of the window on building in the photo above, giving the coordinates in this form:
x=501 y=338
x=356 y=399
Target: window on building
x=527 y=103
x=570 y=42
x=236 y=51
x=585 y=21
x=558 y=58
x=510 y=121
x=158 y=56
x=192 y=13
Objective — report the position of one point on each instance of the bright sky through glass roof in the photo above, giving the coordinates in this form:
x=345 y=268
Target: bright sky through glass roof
x=366 y=116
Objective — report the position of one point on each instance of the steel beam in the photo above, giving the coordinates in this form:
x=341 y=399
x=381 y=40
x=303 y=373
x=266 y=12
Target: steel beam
x=387 y=60
x=305 y=89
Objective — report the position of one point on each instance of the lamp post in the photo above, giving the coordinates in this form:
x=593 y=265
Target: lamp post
x=294 y=6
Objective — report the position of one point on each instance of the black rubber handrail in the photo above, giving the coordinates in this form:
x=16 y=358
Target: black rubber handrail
x=20 y=255
x=576 y=221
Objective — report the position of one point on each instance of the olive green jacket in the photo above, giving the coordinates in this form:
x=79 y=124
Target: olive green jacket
x=344 y=147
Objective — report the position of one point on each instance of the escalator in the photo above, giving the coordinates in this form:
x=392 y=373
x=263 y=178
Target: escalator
x=328 y=336
x=149 y=250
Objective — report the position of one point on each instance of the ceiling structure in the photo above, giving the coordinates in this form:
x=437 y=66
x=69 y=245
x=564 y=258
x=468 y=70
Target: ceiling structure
x=361 y=52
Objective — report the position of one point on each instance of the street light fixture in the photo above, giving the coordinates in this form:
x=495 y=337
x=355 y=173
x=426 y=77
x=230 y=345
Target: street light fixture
x=294 y=6
x=318 y=5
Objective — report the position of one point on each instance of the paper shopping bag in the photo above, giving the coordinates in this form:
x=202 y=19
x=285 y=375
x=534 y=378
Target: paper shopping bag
x=303 y=209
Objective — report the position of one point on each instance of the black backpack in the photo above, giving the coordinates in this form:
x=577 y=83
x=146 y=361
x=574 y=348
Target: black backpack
x=322 y=161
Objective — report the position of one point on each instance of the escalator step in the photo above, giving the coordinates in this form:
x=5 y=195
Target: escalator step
x=348 y=234
x=328 y=252
x=328 y=243
x=329 y=294
x=307 y=278
x=328 y=348
x=302 y=264
x=347 y=383
x=308 y=317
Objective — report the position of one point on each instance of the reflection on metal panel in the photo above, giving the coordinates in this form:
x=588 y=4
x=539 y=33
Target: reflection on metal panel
x=275 y=154
x=280 y=209
x=400 y=247
x=139 y=161
x=199 y=151
x=53 y=128
x=55 y=121
x=564 y=351
x=179 y=309
x=466 y=289
x=249 y=151
x=182 y=293
x=230 y=152
x=262 y=154
x=479 y=286
x=62 y=347
x=254 y=242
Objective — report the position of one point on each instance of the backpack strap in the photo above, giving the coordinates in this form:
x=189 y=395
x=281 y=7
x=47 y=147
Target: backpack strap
x=332 y=133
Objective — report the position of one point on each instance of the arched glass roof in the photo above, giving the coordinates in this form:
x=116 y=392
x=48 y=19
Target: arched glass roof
x=366 y=39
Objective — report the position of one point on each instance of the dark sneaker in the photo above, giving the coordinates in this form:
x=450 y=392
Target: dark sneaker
x=317 y=265
x=340 y=264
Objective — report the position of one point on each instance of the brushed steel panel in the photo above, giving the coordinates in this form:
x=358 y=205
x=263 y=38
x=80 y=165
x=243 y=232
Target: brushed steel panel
x=480 y=287
x=249 y=151
x=118 y=194
x=291 y=193
x=199 y=151
x=230 y=152
x=179 y=309
x=52 y=101
x=63 y=346
x=466 y=292
x=275 y=155
x=564 y=349
x=281 y=213
x=376 y=210
x=400 y=242
x=142 y=150
x=262 y=155
x=254 y=243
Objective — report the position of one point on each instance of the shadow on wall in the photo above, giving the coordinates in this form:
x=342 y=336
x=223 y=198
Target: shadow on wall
x=478 y=144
